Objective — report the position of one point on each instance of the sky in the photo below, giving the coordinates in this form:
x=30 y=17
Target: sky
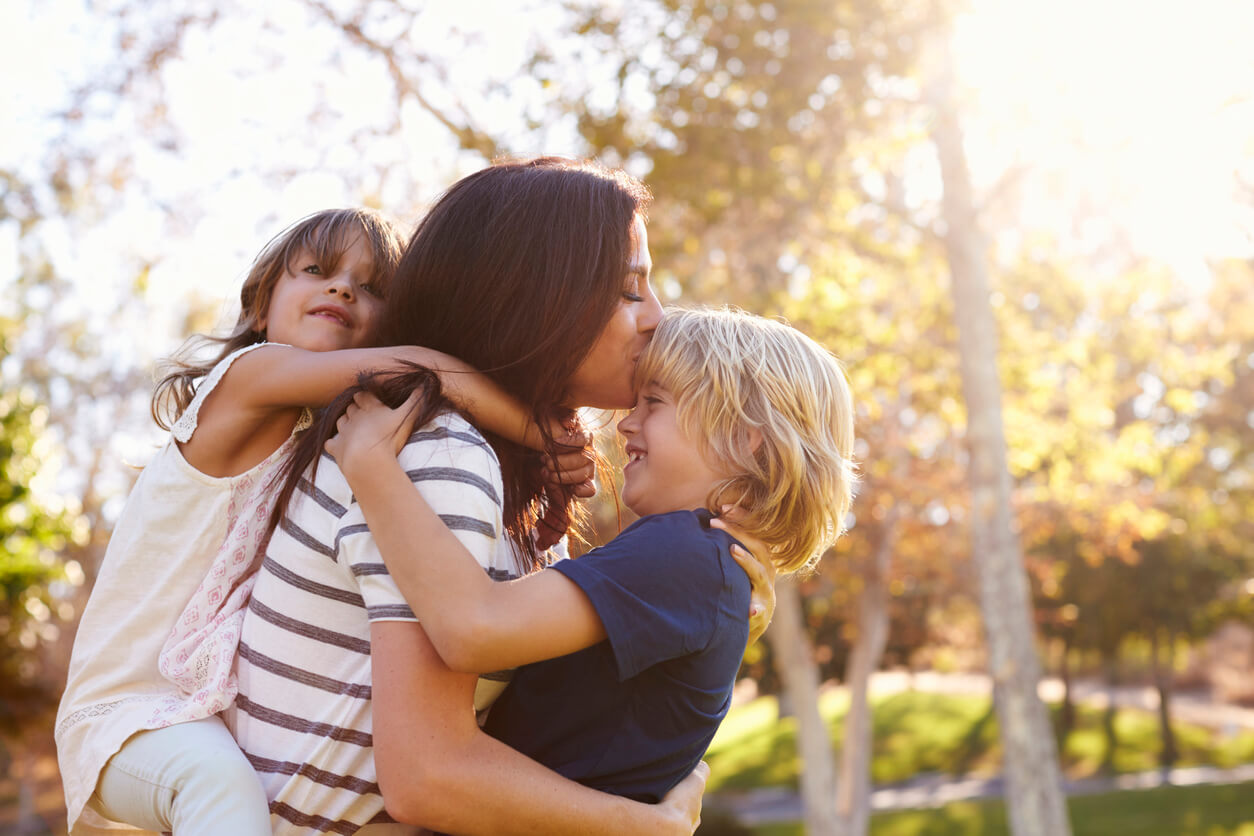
x=1143 y=109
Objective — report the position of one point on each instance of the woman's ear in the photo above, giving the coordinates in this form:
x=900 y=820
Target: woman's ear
x=754 y=438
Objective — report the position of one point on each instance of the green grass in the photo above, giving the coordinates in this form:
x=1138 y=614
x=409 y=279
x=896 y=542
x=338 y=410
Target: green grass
x=1169 y=811
x=917 y=732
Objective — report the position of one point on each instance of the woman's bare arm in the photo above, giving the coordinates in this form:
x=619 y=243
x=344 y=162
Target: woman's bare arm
x=438 y=769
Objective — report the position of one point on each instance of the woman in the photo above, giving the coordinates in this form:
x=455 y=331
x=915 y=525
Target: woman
x=537 y=273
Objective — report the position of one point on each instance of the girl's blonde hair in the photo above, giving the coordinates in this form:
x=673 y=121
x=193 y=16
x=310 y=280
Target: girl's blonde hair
x=770 y=406
x=323 y=237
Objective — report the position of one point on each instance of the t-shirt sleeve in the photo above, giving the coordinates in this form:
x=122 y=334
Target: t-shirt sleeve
x=657 y=588
x=457 y=473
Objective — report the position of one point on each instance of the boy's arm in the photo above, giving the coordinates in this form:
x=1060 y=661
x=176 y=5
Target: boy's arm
x=472 y=621
x=438 y=769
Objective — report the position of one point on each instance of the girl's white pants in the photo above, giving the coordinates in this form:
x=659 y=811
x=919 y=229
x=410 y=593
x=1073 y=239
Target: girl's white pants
x=189 y=779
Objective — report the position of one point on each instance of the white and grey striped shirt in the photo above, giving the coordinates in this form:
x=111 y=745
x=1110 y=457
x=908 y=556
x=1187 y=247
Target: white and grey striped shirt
x=303 y=714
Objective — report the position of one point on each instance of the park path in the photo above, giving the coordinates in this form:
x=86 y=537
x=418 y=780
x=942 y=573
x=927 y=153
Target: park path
x=761 y=806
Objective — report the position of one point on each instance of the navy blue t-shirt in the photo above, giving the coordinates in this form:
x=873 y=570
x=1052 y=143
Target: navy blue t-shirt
x=634 y=714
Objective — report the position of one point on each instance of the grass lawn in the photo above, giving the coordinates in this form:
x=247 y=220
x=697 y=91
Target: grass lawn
x=955 y=734
x=1170 y=811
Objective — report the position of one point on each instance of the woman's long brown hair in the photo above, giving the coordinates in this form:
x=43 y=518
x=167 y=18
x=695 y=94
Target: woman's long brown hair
x=516 y=270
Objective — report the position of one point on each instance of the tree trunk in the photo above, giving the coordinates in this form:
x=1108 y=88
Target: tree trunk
x=1035 y=803
x=853 y=787
x=794 y=661
x=1110 y=670
x=1168 y=754
x=1066 y=711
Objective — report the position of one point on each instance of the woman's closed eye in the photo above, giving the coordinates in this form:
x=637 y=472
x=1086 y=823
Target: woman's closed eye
x=631 y=290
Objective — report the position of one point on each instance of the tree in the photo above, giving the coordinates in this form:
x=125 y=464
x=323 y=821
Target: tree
x=1035 y=801
x=35 y=532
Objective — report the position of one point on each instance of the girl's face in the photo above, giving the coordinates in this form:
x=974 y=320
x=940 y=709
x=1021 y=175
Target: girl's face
x=318 y=310
x=665 y=468
x=605 y=377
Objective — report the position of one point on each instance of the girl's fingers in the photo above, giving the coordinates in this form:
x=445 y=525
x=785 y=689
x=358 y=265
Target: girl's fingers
x=585 y=490
x=569 y=460
x=569 y=477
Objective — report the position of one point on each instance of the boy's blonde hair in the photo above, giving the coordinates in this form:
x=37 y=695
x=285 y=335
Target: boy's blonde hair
x=770 y=406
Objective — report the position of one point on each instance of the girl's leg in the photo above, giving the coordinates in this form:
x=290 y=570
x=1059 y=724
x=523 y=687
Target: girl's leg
x=189 y=779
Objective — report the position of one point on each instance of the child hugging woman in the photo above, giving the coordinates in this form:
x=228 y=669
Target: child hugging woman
x=138 y=736
x=631 y=650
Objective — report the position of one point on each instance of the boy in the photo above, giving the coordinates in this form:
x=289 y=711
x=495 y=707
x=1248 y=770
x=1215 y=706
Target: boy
x=629 y=653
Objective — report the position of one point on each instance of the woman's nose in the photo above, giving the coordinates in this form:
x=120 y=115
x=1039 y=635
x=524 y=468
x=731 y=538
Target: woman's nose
x=651 y=315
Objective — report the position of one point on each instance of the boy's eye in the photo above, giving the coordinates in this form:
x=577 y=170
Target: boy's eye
x=652 y=399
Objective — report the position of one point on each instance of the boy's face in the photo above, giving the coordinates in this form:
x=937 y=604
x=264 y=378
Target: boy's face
x=665 y=470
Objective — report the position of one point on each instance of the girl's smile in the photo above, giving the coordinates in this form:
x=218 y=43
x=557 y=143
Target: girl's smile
x=325 y=307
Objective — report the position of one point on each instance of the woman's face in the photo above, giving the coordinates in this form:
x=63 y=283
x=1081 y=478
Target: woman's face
x=604 y=378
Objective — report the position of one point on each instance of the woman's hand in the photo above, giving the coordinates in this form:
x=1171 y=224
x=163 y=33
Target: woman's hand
x=758 y=566
x=369 y=432
x=682 y=804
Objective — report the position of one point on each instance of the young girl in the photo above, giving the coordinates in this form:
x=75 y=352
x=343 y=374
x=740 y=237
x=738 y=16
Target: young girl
x=631 y=651
x=137 y=731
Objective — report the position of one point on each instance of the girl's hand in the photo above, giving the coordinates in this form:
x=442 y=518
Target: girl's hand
x=369 y=432
x=568 y=473
x=573 y=467
x=682 y=805
x=758 y=566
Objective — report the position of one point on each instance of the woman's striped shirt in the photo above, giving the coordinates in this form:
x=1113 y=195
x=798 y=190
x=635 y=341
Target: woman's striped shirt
x=303 y=714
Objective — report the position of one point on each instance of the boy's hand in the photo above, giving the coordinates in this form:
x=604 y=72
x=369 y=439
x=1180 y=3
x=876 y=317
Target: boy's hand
x=683 y=803
x=369 y=431
x=758 y=566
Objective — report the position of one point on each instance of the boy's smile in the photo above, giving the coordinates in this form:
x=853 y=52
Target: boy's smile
x=666 y=470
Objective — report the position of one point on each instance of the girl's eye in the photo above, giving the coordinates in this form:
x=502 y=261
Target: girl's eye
x=312 y=269
x=652 y=399
x=373 y=289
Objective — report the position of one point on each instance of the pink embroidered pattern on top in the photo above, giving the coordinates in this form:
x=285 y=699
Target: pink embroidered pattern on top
x=199 y=654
